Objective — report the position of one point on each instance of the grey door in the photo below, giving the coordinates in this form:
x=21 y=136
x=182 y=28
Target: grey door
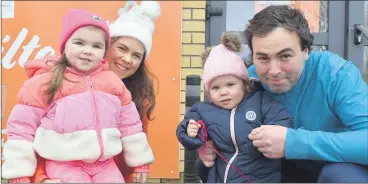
x=332 y=24
x=357 y=14
x=365 y=62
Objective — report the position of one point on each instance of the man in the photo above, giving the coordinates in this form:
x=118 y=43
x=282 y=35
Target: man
x=326 y=95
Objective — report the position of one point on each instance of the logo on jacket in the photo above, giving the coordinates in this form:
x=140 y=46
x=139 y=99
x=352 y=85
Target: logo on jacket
x=96 y=18
x=250 y=115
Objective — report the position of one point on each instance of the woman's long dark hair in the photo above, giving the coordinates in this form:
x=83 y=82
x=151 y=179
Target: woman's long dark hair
x=140 y=85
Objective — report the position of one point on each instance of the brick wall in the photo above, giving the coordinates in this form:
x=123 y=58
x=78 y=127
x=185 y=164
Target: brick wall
x=193 y=44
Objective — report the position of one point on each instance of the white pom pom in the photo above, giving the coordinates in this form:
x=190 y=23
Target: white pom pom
x=151 y=9
x=121 y=11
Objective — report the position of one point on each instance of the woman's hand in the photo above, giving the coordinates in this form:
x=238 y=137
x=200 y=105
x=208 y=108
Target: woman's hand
x=141 y=177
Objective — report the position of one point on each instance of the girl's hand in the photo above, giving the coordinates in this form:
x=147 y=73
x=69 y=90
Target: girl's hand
x=192 y=128
x=141 y=177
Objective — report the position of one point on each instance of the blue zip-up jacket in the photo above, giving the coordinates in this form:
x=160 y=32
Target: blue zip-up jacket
x=229 y=131
x=330 y=108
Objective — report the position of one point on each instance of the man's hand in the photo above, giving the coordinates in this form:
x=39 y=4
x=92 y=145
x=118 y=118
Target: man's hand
x=193 y=128
x=141 y=177
x=270 y=140
x=207 y=156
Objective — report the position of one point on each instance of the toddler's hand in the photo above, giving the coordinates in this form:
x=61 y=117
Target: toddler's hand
x=141 y=177
x=192 y=128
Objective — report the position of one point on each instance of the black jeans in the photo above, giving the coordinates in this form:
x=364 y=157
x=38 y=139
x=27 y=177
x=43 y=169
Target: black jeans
x=309 y=171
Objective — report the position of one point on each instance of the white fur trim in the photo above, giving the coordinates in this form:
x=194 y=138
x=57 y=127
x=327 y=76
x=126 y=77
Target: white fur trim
x=80 y=145
x=20 y=159
x=111 y=142
x=136 y=150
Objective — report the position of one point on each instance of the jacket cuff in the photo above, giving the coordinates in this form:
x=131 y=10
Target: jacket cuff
x=20 y=159
x=142 y=169
x=136 y=150
x=20 y=180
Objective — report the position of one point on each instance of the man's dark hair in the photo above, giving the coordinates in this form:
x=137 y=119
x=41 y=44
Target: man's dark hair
x=276 y=16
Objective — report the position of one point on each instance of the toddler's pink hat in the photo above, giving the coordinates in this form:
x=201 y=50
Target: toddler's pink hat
x=224 y=59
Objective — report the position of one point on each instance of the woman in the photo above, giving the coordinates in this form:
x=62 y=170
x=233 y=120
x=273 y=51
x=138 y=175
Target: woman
x=131 y=44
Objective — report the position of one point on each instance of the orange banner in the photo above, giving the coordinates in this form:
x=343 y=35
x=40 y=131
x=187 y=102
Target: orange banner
x=31 y=29
x=314 y=11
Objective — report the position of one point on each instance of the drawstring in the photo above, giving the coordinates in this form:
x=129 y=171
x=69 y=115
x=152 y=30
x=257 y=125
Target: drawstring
x=204 y=138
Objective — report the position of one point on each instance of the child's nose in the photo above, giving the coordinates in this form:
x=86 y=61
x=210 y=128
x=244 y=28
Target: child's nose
x=87 y=50
x=223 y=92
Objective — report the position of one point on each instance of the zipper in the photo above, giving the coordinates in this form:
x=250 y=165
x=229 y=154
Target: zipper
x=96 y=119
x=232 y=132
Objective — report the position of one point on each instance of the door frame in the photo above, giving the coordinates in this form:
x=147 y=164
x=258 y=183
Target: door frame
x=355 y=53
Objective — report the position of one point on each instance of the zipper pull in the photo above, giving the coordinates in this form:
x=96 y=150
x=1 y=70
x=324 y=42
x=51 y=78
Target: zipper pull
x=89 y=81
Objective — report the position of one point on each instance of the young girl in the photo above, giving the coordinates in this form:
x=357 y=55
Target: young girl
x=75 y=112
x=234 y=110
x=131 y=42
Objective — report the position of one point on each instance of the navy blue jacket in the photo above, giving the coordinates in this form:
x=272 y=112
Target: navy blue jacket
x=255 y=110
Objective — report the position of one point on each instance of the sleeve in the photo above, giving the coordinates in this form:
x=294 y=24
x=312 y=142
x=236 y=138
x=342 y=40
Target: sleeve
x=128 y=171
x=20 y=180
x=142 y=169
x=274 y=113
x=19 y=155
x=348 y=97
x=181 y=131
x=136 y=150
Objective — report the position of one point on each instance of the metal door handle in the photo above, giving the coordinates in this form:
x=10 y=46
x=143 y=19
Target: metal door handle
x=359 y=31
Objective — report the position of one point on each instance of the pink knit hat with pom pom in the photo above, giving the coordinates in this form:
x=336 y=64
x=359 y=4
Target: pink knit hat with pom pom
x=224 y=59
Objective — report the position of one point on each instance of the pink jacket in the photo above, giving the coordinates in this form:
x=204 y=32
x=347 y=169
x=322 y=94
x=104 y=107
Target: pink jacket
x=92 y=119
